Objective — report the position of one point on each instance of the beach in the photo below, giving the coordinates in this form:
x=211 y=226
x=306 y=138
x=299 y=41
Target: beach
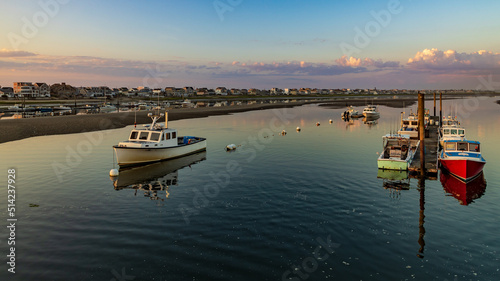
x=17 y=129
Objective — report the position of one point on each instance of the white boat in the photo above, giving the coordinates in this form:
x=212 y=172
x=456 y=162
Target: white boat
x=107 y=108
x=451 y=133
x=350 y=113
x=155 y=143
x=451 y=130
x=371 y=111
x=409 y=126
x=398 y=153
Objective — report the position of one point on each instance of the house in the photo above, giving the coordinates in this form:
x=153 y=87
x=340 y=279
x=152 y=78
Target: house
x=235 y=91
x=276 y=91
x=221 y=91
x=43 y=89
x=253 y=92
x=25 y=89
x=7 y=92
x=189 y=91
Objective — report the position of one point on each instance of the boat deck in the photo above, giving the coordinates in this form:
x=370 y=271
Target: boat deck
x=431 y=153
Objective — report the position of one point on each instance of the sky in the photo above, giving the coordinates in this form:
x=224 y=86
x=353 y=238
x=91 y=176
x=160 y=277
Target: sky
x=261 y=44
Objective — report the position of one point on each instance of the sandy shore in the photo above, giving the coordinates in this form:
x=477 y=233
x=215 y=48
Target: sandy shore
x=17 y=129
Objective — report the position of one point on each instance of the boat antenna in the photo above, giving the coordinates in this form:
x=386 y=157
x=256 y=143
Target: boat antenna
x=135 y=116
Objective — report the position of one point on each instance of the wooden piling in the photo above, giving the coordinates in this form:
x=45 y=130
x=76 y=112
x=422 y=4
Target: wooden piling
x=434 y=104
x=440 y=108
x=421 y=131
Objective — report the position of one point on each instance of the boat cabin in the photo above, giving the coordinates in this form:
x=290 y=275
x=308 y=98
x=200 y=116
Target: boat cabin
x=462 y=146
x=152 y=138
x=454 y=132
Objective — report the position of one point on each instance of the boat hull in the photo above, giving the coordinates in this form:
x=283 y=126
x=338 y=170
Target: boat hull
x=464 y=169
x=127 y=156
x=390 y=164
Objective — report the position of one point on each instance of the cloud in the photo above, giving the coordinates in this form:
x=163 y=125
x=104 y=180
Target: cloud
x=5 y=53
x=451 y=60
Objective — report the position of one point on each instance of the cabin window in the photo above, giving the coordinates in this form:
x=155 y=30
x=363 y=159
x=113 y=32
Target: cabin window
x=162 y=137
x=174 y=135
x=473 y=147
x=144 y=135
x=461 y=132
x=406 y=123
x=168 y=136
x=133 y=135
x=446 y=131
x=154 y=136
x=451 y=146
x=462 y=146
x=453 y=131
x=414 y=123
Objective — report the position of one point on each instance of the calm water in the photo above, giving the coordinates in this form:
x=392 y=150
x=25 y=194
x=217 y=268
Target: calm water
x=306 y=205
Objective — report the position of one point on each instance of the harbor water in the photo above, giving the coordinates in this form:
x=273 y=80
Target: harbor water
x=307 y=205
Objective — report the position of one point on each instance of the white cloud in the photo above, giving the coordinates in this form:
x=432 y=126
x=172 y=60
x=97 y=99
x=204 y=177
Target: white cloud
x=452 y=60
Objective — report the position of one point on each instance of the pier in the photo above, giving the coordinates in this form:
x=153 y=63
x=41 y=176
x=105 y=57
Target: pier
x=425 y=163
x=430 y=154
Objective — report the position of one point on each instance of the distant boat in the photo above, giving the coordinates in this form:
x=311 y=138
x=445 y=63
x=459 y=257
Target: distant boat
x=350 y=113
x=107 y=108
x=398 y=152
x=451 y=130
x=462 y=158
x=409 y=125
x=371 y=111
x=156 y=143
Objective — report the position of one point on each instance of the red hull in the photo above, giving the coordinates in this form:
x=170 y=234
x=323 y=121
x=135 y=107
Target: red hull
x=464 y=169
x=465 y=193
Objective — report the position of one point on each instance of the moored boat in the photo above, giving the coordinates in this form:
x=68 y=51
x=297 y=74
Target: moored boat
x=398 y=153
x=409 y=126
x=156 y=143
x=462 y=158
x=371 y=111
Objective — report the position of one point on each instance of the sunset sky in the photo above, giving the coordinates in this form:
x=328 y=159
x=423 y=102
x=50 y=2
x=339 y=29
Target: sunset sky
x=252 y=43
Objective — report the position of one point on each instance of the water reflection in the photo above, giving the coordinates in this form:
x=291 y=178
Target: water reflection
x=154 y=178
x=371 y=120
x=465 y=193
x=394 y=181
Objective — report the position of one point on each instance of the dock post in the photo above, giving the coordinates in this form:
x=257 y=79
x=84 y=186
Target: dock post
x=440 y=109
x=434 y=104
x=421 y=131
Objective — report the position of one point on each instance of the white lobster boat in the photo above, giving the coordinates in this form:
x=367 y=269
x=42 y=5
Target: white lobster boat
x=155 y=143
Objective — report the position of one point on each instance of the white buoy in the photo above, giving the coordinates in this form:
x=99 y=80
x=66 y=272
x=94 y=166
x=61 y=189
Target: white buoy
x=331 y=121
x=230 y=147
x=298 y=129
x=113 y=173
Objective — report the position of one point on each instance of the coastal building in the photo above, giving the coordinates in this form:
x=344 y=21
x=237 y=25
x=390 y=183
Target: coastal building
x=25 y=89
x=7 y=92
x=43 y=89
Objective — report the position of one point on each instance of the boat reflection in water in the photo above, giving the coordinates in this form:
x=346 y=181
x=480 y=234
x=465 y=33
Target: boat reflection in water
x=371 y=120
x=155 y=177
x=394 y=181
x=465 y=193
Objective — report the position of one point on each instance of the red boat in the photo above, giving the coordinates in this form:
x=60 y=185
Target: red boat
x=465 y=193
x=462 y=158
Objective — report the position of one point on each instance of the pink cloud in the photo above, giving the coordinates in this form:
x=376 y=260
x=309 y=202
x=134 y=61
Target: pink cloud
x=5 y=53
x=451 y=60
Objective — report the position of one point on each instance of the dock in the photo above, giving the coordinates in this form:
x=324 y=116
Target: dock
x=431 y=153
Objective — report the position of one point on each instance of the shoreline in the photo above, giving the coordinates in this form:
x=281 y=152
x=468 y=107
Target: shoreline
x=18 y=129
